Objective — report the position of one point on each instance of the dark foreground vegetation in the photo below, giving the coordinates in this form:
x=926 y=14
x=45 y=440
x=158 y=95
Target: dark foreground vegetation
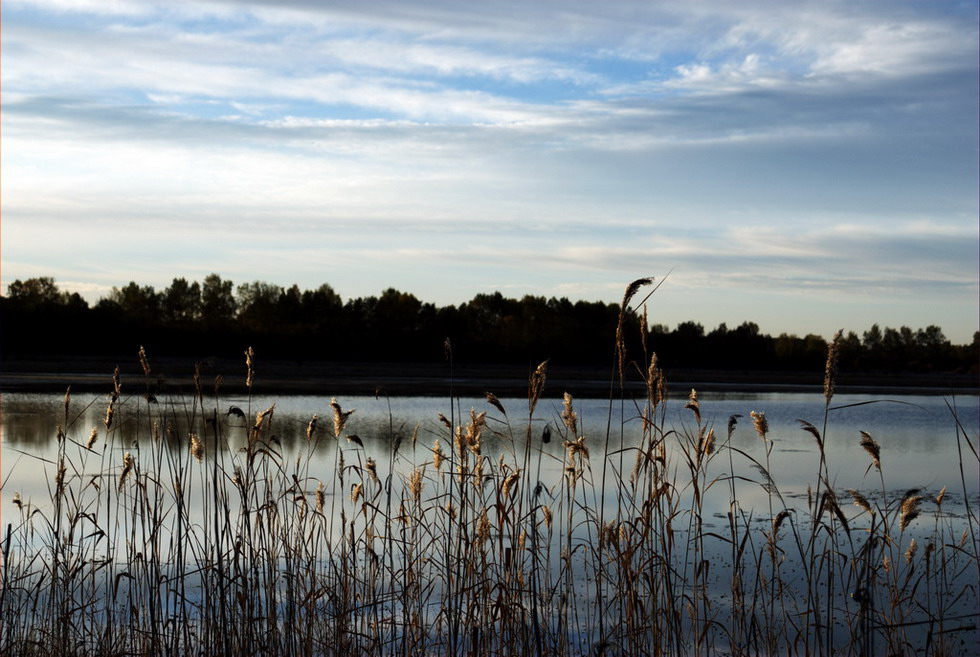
x=217 y=319
x=198 y=538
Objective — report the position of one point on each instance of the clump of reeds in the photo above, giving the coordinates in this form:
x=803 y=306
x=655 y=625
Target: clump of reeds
x=499 y=539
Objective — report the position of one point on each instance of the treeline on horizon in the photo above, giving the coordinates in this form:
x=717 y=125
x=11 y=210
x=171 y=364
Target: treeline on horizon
x=217 y=319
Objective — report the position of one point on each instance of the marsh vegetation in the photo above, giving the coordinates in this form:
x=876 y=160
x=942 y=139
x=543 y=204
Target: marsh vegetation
x=509 y=530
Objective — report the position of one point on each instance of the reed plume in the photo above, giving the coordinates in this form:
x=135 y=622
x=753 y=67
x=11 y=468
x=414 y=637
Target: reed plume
x=870 y=445
x=909 y=510
x=761 y=424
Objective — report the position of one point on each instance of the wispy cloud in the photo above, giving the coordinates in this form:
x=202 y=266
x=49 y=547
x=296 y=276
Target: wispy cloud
x=755 y=148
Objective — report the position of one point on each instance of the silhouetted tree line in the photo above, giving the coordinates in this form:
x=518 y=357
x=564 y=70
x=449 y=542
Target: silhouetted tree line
x=216 y=318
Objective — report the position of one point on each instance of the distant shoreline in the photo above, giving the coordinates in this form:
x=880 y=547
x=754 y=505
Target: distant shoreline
x=434 y=379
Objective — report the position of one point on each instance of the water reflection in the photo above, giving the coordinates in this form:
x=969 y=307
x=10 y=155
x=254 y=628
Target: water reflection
x=919 y=442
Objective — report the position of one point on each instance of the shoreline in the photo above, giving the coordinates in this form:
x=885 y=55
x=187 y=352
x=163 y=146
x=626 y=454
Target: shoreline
x=51 y=375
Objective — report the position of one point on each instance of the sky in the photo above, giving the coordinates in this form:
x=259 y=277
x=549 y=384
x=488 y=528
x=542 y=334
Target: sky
x=807 y=166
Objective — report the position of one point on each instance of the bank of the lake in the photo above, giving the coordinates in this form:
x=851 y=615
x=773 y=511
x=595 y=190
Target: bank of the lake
x=54 y=374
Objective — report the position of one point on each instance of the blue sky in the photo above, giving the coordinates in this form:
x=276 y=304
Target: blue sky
x=804 y=165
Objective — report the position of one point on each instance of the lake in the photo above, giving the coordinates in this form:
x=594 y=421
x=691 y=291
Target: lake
x=665 y=490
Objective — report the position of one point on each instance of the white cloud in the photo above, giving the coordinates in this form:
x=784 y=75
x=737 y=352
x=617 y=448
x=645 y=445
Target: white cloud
x=757 y=148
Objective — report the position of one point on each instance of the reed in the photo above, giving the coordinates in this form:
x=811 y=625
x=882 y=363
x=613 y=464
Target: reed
x=214 y=533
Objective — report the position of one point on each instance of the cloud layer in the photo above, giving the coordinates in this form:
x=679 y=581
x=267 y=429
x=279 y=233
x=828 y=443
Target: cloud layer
x=814 y=156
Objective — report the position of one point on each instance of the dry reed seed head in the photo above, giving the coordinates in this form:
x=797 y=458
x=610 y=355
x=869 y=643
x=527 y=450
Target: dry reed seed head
x=355 y=492
x=732 y=422
x=536 y=385
x=939 y=498
x=631 y=290
x=197 y=448
x=760 y=423
x=250 y=367
x=437 y=456
x=546 y=512
x=372 y=467
x=778 y=521
x=474 y=430
x=812 y=430
x=607 y=535
x=59 y=478
x=638 y=462
x=236 y=477
x=445 y=421
x=860 y=500
x=127 y=468
x=17 y=501
x=493 y=401
x=320 y=496
x=656 y=382
x=910 y=552
x=450 y=510
x=708 y=445
x=576 y=446
x=694 y=404
x=415 y=483
x=144 y=363
x=886 y=563
x=831 y=501
x=870 y=445
x=930 y=548
x=311 y=427
x=339 y=417
x=340 y=466
x=507 y=489
x=830 y=369
x=262 y=415
x=909 y=510
x=568 y=414
x=92 y=437
x=643 y=329
x=483 y=527
x=459 y=444
x=109 y=412
x=116 y=384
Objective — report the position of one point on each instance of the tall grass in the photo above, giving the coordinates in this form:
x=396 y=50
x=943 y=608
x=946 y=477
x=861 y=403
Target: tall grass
x=206 y=536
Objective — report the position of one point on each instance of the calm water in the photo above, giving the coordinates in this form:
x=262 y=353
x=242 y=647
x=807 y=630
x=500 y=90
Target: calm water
x=921 y=446
x=918 y=434
x=923 y=443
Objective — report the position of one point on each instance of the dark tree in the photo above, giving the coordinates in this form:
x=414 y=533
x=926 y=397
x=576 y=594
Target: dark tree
x=181 y=301
x=217 y=301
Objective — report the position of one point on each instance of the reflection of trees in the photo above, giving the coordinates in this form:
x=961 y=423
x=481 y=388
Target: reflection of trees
x=215 y=318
